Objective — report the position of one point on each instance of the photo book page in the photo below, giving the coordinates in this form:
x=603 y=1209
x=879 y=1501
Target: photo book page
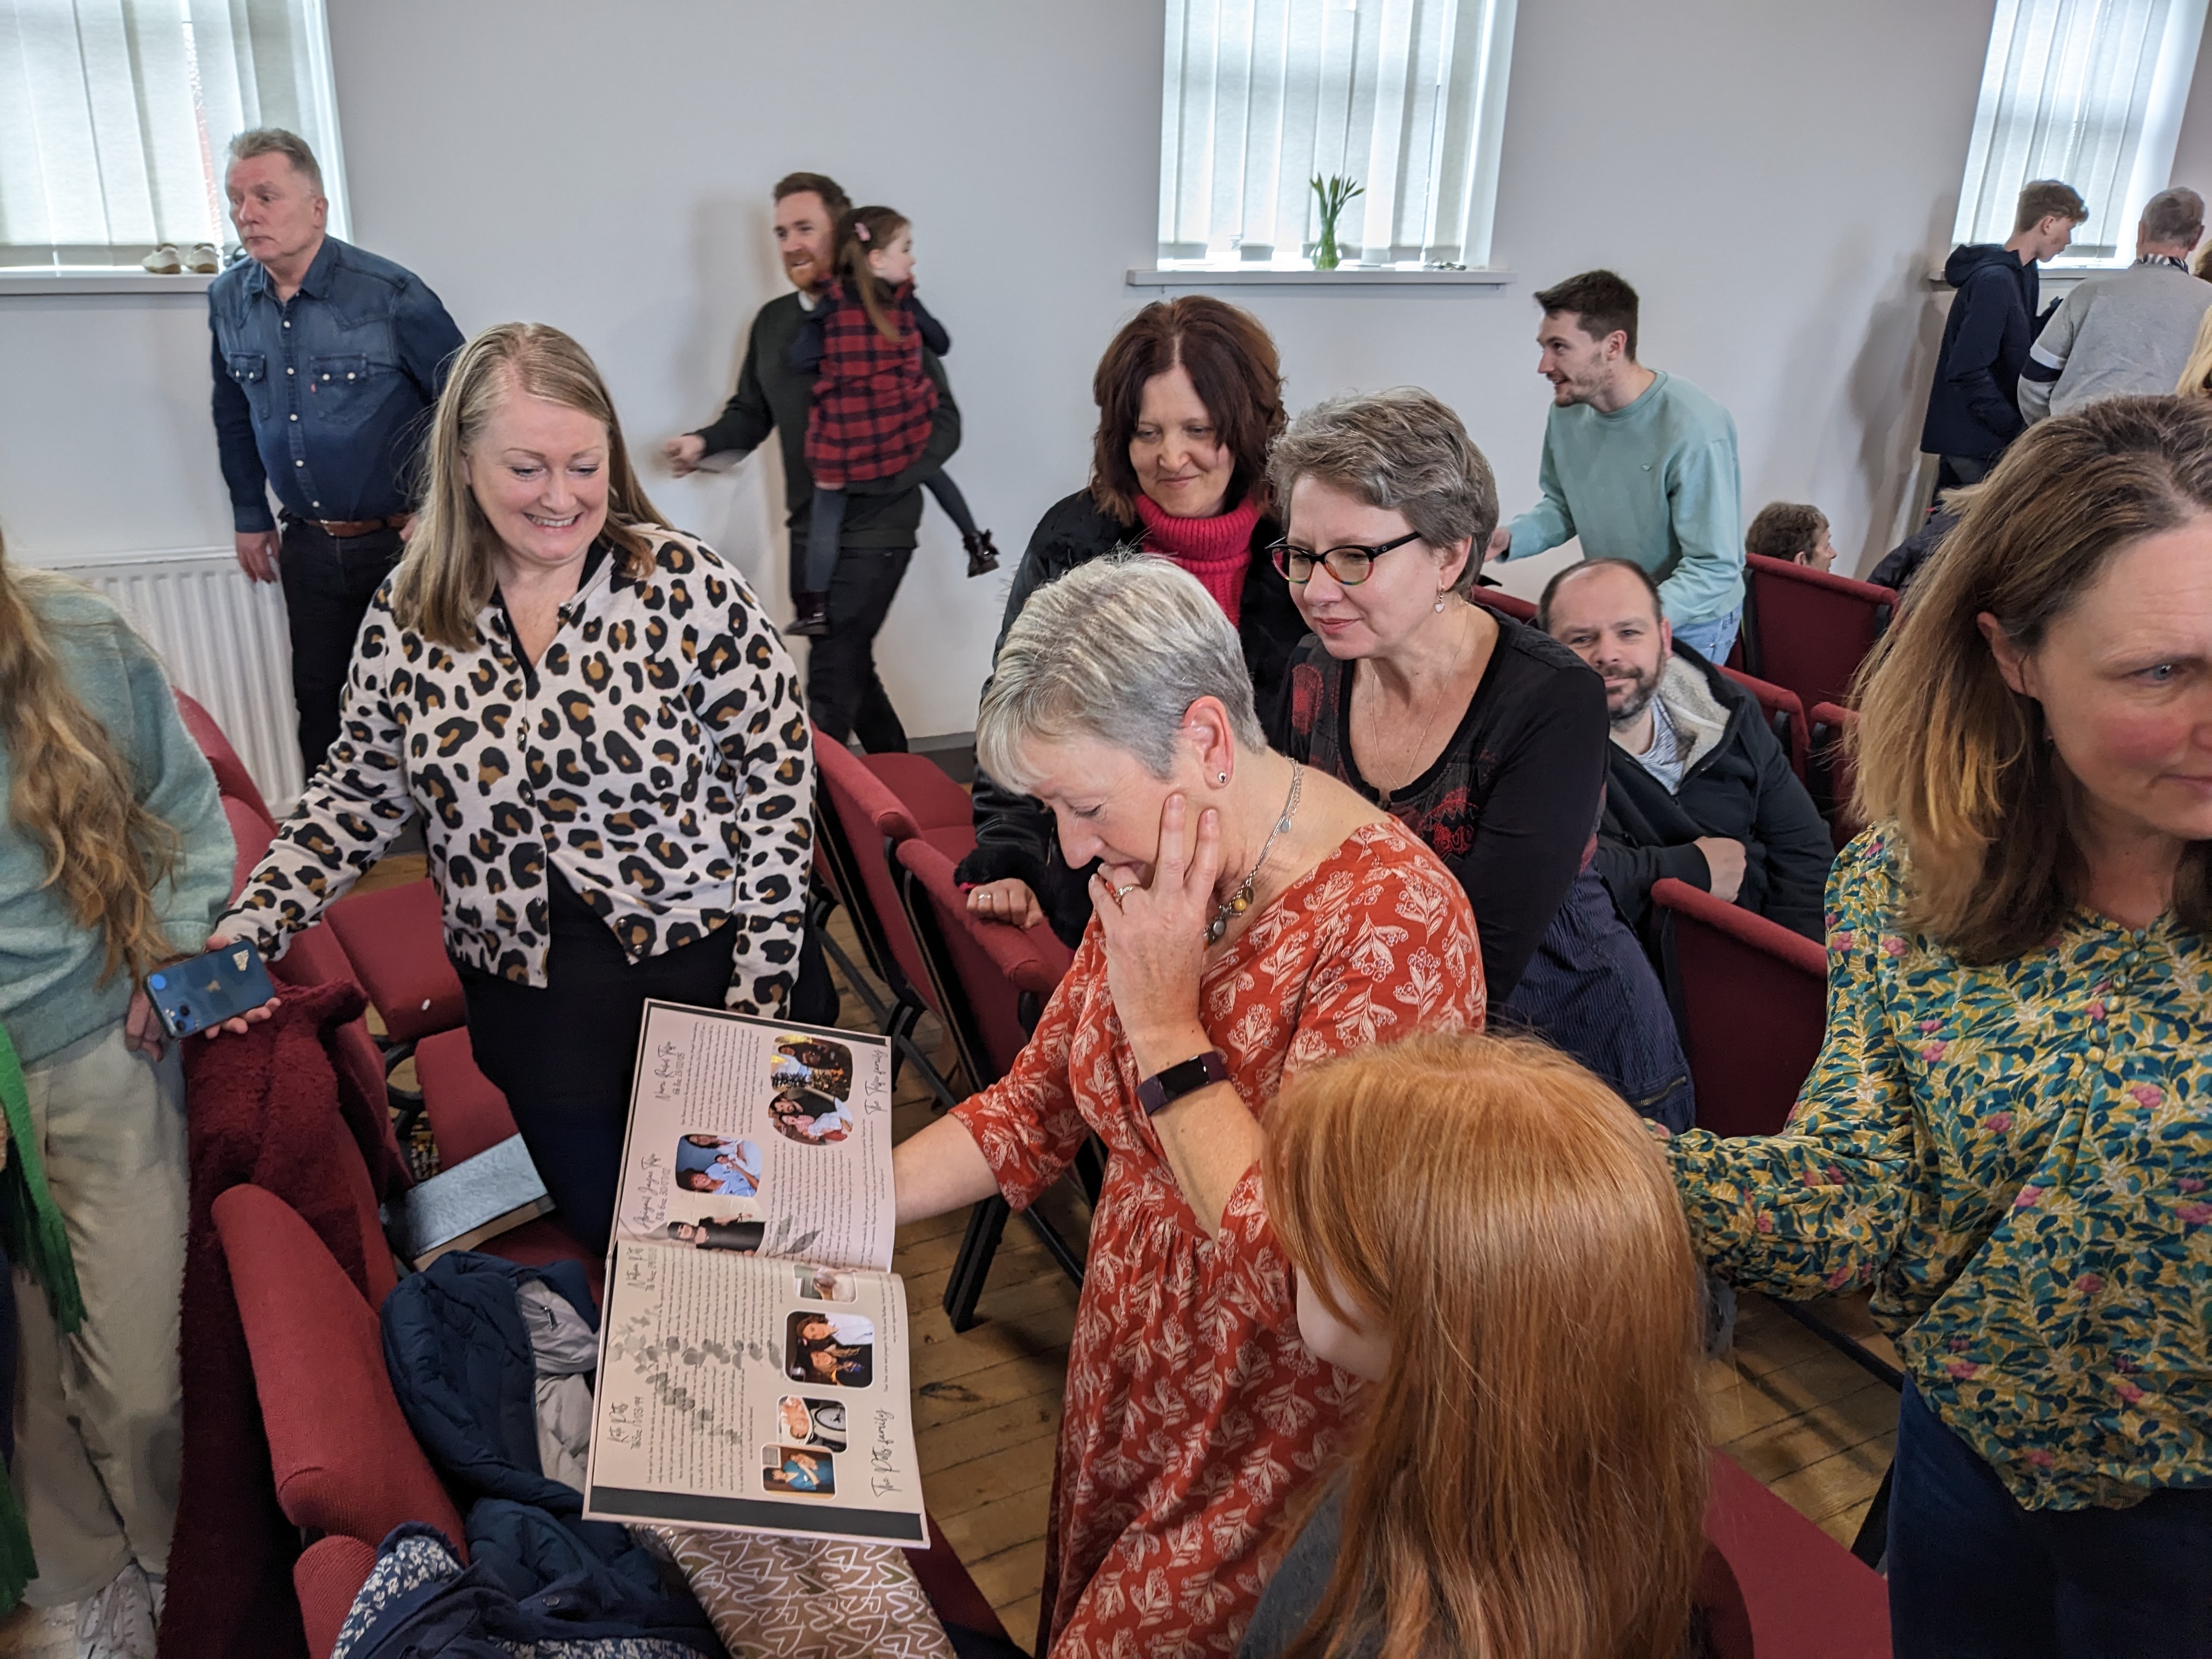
x=753 y=1347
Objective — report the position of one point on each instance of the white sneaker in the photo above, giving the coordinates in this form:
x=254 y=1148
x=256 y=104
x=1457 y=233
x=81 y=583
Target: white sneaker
x=163 y=261
x=119 y=1622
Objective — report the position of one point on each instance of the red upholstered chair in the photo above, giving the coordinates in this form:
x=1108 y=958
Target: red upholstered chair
x=1755 y=1004
x=1835 y=774
x=1785 y=717
x=956 y=1597
x=395 y=937
x=864 y=807
x=327 y=1576
x=1504 y=603
x=231 y=777
x=987 y=981
x=253 y=832
x=1799 y=1594
x=1809 y=631
x=345 y=1461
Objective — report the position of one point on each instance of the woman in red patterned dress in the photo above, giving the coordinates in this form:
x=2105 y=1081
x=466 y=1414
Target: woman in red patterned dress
x=1251 y=919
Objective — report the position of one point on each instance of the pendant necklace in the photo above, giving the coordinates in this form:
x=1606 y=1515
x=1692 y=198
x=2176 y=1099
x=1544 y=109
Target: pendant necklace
x=1241 y=901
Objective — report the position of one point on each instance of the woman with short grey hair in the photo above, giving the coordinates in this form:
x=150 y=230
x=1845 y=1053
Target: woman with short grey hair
x=1251 y=918
x=1486 y=738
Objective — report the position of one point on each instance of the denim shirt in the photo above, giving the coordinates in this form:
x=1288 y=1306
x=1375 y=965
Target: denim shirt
x=327 y=397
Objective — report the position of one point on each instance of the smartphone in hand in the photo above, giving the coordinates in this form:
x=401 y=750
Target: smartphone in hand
x=202 y=992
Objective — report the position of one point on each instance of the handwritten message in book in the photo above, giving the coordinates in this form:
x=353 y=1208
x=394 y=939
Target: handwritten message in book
x=753 y=1352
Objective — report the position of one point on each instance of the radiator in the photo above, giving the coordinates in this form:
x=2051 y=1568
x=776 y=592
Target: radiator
x=222 y=640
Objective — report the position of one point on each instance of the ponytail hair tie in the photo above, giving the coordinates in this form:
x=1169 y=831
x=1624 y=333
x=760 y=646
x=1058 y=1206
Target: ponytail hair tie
x=860 y=232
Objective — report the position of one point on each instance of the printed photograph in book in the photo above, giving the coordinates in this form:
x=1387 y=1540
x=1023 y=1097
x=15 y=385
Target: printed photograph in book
x=753 y=1360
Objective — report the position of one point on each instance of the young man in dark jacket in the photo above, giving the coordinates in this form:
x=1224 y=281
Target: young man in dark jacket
x=1973 y=411
x=1698 y=787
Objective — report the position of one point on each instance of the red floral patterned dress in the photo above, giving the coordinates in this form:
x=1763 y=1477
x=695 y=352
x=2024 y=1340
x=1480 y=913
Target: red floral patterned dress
x=1194 y=1411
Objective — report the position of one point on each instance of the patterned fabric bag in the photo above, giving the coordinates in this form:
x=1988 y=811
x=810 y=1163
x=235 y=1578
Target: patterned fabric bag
x=774 y=1597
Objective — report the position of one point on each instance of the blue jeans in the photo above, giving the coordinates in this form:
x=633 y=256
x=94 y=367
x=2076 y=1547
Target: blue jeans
x=1711 y=638
x=1972 y=1575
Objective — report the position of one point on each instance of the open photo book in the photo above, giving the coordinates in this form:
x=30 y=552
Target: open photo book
x=753 y=1346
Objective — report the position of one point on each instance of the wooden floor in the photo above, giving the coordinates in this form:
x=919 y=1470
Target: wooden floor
x=1814 y=1426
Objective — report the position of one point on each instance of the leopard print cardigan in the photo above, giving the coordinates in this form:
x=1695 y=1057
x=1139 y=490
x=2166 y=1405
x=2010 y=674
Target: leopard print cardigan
x=657 y=752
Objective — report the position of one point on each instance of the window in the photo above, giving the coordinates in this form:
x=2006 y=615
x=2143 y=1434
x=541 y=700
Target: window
x=2087 y=91
x=1405 y=97
x=115 y=115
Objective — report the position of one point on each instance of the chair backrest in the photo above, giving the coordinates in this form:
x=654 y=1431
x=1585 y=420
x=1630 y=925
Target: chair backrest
x=1835 y=776
x=1785 y=717
x=231 y=777
x=344 y=1459
x=980 y=971
x=862 y=819
x=1503 y=603
x=1802 y=1594
x=252 y=830
x=1754 y=1001
x=1810 y=630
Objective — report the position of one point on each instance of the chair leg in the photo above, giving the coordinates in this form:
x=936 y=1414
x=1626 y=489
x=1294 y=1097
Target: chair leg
x=986 y=1222
x=1090 y=1168
x=1056 y=1247
x=1873 y=1541
x=900 y=1030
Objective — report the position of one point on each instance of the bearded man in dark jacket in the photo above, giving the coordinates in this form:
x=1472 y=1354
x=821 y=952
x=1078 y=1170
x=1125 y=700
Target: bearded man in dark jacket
x=1698 y=787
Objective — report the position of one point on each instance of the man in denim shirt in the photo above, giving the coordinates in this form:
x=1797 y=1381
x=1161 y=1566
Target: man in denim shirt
x=327 y=363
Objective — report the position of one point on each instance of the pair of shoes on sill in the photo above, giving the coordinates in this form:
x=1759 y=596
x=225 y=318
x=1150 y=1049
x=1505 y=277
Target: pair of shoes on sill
x=164 y=261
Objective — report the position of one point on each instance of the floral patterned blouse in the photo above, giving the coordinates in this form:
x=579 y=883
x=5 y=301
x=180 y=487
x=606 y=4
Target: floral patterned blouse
x=2015 y=1158
x=1194 y=1414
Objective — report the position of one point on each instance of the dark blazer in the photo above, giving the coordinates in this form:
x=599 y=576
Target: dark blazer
x=1014 y=834
x=1743 y=789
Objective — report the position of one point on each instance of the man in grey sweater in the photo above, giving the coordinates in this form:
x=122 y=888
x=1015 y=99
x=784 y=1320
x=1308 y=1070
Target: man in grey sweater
x=2127 y=333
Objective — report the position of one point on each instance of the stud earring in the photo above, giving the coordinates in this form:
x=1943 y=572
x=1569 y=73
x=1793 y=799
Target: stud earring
x=1221 y=777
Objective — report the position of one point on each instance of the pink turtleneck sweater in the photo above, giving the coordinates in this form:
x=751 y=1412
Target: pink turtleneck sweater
x=1217 y=551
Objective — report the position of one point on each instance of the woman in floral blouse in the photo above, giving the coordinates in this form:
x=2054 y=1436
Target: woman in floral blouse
x=1251 y=920
x=2009 y=1133
x=603 y=735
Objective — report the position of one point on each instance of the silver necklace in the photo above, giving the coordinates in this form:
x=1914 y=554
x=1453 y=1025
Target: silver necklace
x=1241 y=901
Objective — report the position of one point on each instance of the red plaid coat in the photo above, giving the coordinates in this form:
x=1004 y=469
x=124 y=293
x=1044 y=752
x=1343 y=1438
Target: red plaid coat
x=872 y=399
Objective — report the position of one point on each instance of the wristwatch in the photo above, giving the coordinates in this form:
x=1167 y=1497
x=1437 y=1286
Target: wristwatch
x=1156 y=1093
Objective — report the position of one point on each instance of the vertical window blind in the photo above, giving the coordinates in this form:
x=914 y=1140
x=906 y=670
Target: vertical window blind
x=115 y=115
x=2087 y=91
x=1405 y=97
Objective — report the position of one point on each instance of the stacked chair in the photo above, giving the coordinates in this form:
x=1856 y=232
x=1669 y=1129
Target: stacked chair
x=347 y=1467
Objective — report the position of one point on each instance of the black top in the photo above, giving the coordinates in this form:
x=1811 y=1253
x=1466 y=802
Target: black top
x=1014 y=834
x=773 y=395
x=1511 y=805
x=1742 y=788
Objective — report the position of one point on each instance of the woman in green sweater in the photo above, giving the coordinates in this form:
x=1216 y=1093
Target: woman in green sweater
x=114 y=858
x=2008 y=1133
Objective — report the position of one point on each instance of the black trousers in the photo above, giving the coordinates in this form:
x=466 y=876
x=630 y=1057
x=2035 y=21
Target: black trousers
x=844 y=693
x=563 y=1053
x=328 y=583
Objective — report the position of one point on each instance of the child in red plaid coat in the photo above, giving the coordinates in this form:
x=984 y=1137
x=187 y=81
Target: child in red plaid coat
x=873 y=400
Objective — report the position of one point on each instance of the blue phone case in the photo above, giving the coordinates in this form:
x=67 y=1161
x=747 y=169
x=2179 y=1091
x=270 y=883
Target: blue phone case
x=192 y=996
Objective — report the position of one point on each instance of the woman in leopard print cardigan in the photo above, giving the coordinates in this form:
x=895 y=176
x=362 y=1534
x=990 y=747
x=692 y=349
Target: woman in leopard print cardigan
x=604 y=738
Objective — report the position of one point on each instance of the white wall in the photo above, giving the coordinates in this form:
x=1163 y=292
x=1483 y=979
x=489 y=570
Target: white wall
x=1774 y=175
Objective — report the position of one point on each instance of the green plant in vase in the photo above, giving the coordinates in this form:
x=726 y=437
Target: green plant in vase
x=1331 y=194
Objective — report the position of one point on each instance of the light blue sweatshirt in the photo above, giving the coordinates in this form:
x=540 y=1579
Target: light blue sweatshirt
x=1656 y=483
x=52 y=993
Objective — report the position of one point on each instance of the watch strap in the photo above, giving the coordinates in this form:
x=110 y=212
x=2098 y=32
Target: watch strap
x=1156 y=1093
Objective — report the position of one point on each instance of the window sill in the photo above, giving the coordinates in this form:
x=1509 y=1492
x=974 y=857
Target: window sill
x=23 y=281
x=1349 y=276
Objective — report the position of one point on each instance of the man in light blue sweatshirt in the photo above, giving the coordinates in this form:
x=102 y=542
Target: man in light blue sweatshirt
x=1640 y=465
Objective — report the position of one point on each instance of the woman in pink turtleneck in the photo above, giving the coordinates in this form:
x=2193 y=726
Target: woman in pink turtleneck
x=1189 y=397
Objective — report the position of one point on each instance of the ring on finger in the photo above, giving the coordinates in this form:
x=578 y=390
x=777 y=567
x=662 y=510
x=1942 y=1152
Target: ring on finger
x=1120 y=893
